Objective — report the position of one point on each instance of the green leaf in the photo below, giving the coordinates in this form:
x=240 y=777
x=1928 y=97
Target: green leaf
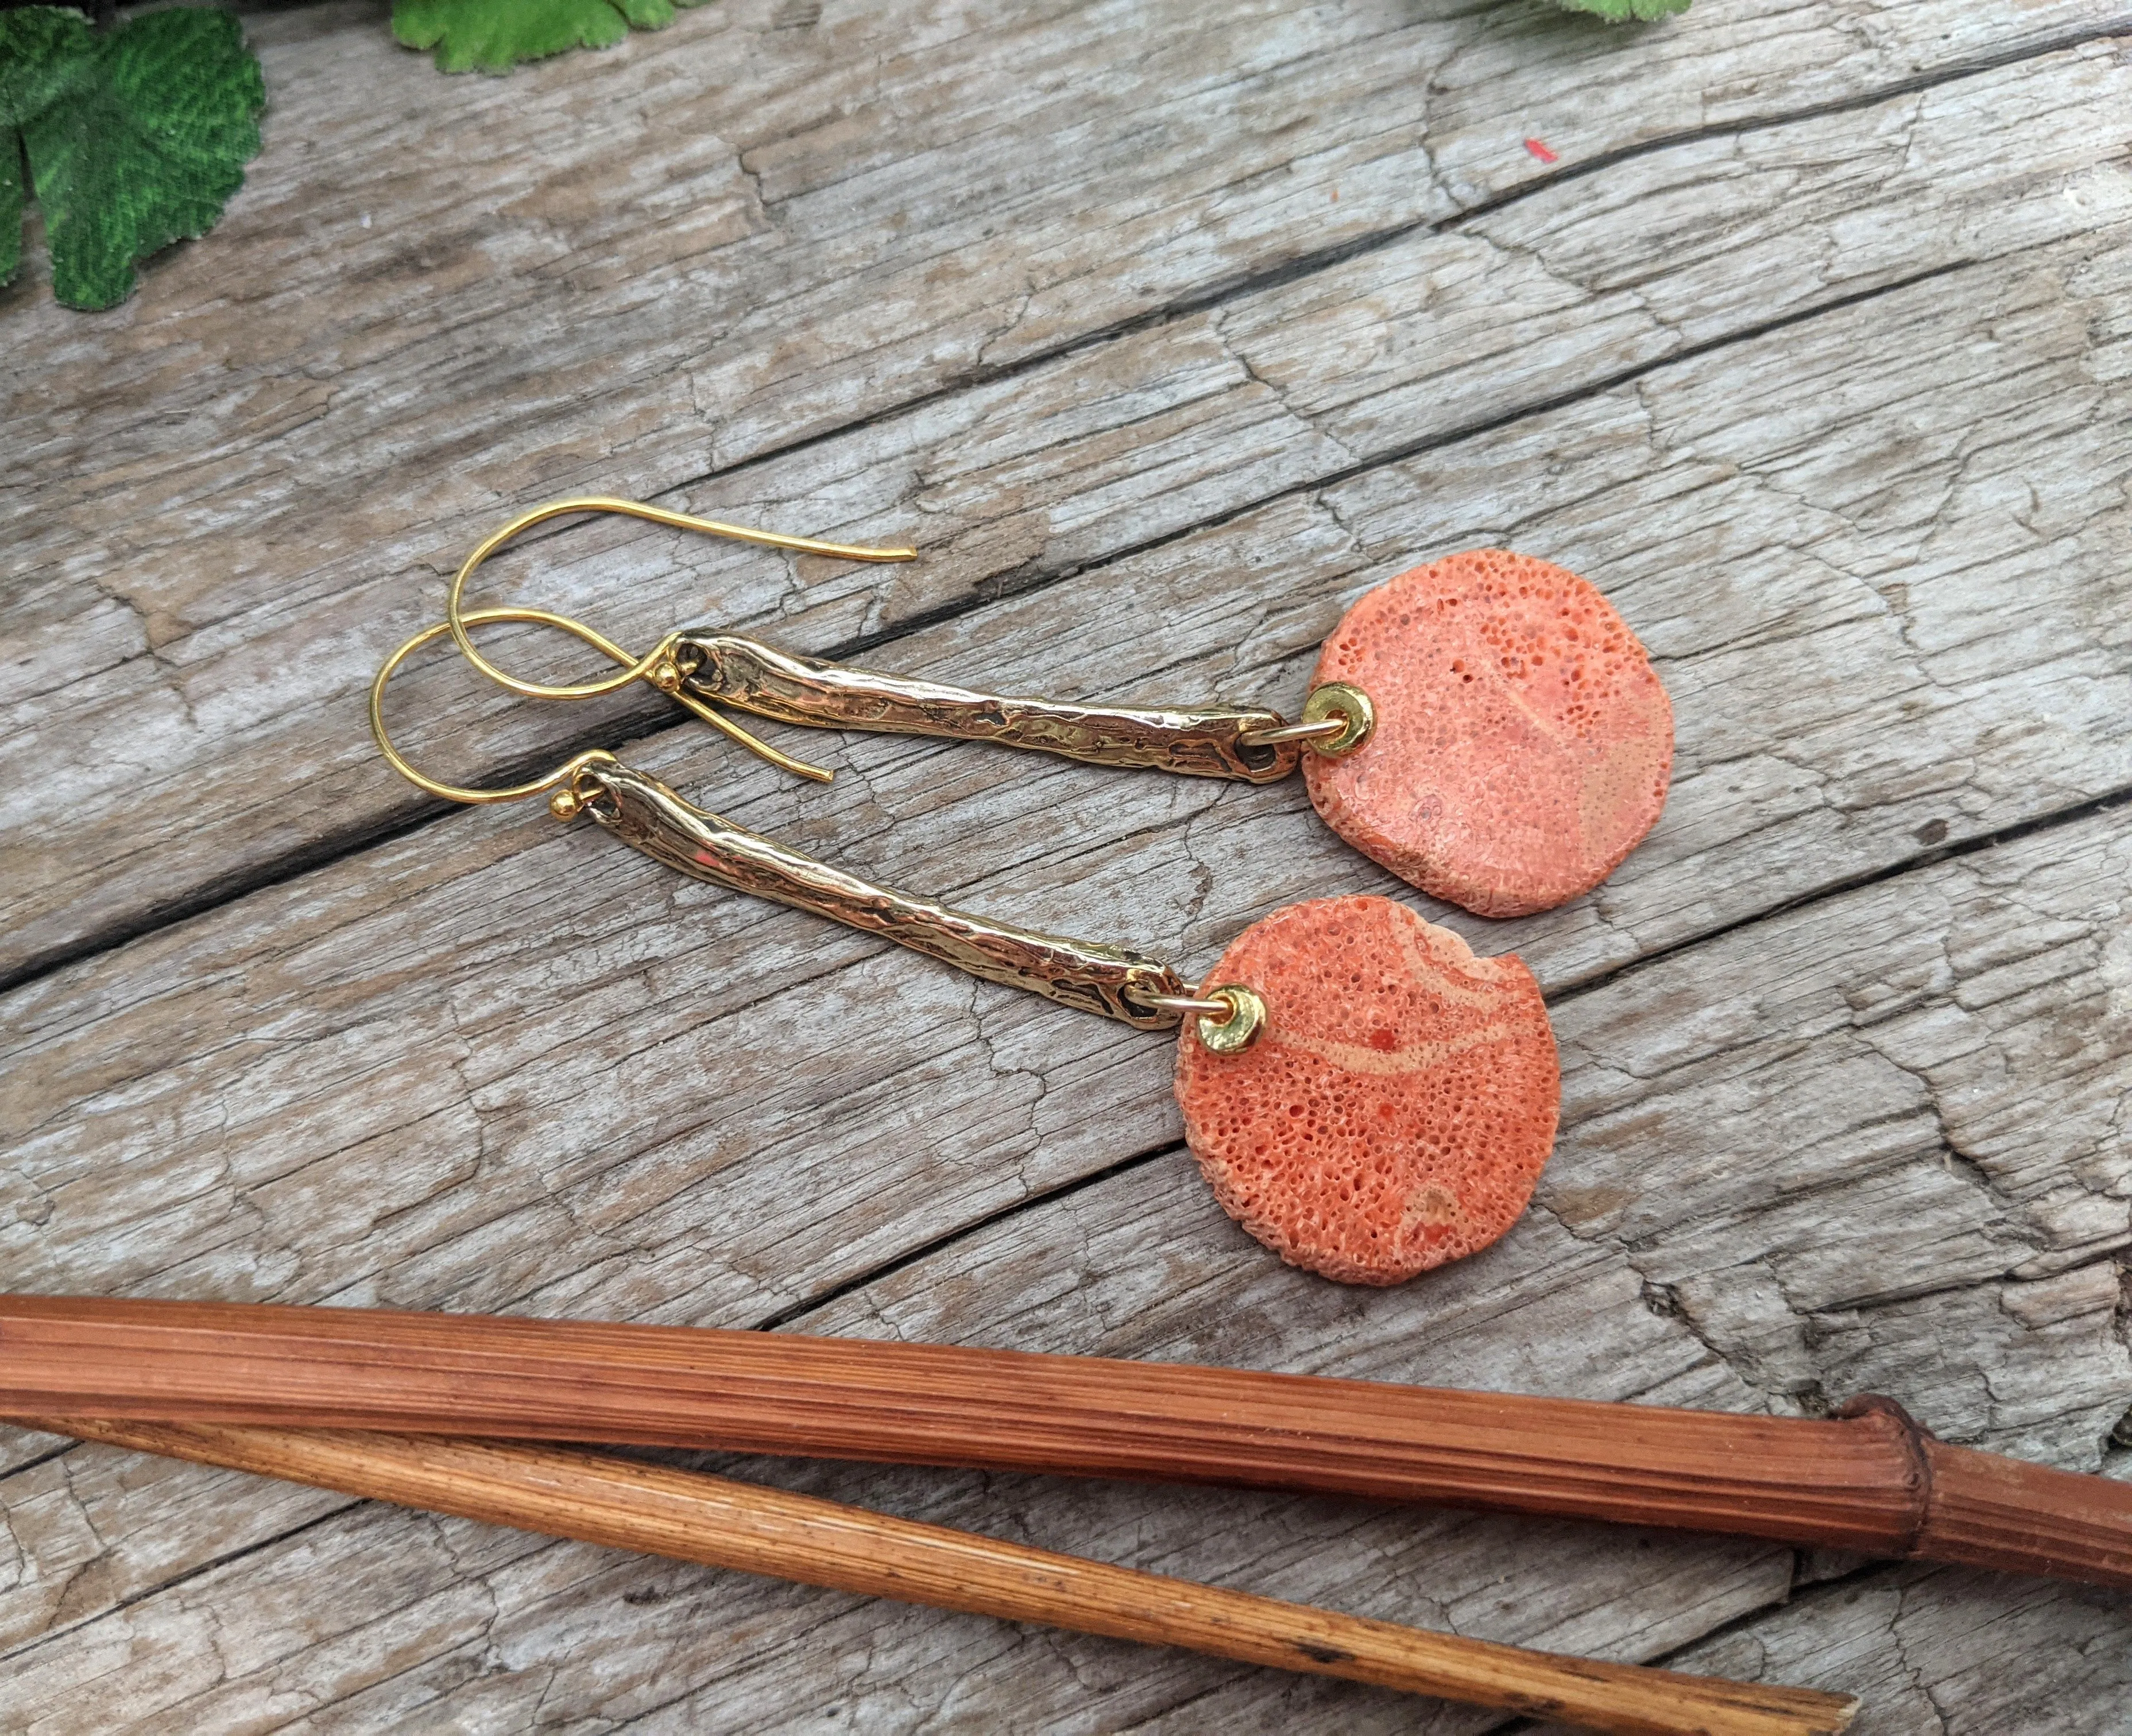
x=494 y=36
x=41 y=48
x=11 y=207
x=135 y=137
x=44 y=52
x=1622 y=11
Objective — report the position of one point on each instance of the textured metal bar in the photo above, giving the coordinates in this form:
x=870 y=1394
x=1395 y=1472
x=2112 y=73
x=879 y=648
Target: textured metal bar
x=1199 y=742
x=1087 y=974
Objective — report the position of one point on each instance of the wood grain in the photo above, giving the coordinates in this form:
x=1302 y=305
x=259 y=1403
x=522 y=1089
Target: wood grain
x=228 y=618
x=371 y=1087
x=424 y=1610
x=1870 y=1480
x=2056 y=1665
x=1808 y=350
x=716 y=1521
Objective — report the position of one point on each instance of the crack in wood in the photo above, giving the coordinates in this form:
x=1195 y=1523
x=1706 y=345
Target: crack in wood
x=259 y=1105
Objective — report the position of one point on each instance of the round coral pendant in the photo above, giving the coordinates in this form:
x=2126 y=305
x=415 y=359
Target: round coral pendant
x=1523 y=742
x=1398 y=1105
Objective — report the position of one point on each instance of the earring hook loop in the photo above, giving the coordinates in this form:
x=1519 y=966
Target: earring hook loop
x=566 y=774
x=637 y=669
x=599 y=642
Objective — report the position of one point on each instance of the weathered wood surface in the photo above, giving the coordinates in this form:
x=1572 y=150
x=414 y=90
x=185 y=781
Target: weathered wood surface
x=233 y=509
x=1811 y=351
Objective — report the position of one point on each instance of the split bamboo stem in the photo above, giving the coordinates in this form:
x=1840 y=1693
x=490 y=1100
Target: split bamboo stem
x=1871 y=1480
x=690 y=1516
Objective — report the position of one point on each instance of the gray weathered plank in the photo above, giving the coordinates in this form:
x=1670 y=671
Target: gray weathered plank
x=489 y=1085
x=1794 y=1073
x=437 y=1625
x=199 y=614
x=1946 y=1653
x=1876 y=1142
x=1745 y=1122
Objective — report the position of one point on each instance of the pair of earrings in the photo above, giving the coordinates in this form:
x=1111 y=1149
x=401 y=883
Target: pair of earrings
x=1363 y=1093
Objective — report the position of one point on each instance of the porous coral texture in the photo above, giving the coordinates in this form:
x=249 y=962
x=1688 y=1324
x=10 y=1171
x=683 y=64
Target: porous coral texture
x=1523 y=742
x=1398 y=1105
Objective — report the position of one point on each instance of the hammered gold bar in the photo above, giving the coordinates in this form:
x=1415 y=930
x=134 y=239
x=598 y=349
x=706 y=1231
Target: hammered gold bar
x=1094 y=978
x=1203 y=742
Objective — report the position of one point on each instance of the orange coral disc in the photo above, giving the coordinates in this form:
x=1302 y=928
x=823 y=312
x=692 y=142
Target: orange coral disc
x=1523 y=742
x=1398 y=1105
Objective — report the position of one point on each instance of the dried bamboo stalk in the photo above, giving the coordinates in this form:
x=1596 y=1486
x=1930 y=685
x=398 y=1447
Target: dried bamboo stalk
x=1869 y=1480
x=723 y=1523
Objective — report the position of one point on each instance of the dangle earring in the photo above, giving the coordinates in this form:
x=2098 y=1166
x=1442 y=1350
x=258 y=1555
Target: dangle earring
x=1486 y=726
x=1364 y=1094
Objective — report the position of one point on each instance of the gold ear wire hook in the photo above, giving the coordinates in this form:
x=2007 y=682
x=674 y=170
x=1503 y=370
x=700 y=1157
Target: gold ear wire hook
x=638 y=668
x=422 y=780
x=606 y=647
x=716 y=719
x=565 y=775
